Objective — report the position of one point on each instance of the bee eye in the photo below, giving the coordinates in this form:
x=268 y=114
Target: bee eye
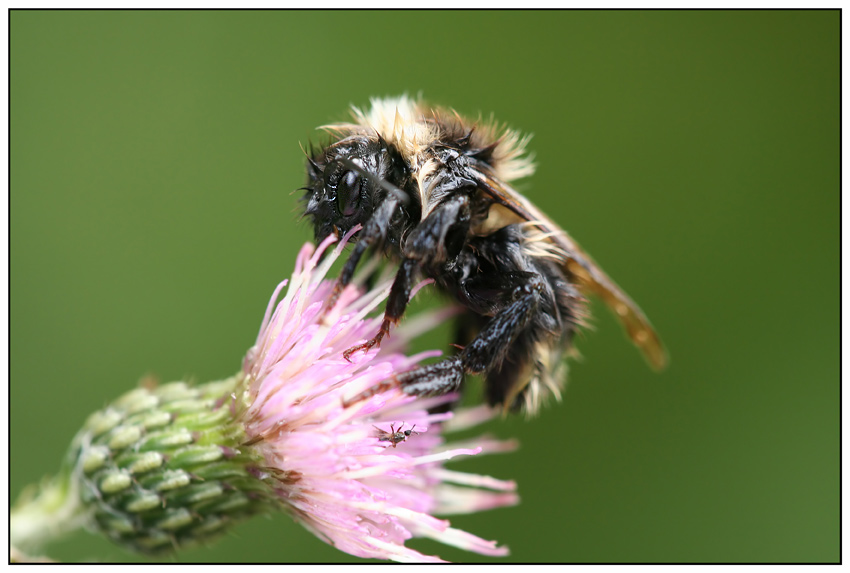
x=348 y=193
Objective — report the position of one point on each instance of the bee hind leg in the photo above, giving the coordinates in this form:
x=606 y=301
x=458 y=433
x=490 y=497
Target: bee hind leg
x=485 y=352
x=433 y=379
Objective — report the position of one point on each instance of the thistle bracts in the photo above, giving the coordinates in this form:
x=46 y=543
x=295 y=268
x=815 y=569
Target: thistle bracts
x=165 y=466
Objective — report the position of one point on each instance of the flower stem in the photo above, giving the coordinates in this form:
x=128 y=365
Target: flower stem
x=45 y=513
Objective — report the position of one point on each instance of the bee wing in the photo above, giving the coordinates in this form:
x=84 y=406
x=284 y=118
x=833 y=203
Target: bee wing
x=587 y=273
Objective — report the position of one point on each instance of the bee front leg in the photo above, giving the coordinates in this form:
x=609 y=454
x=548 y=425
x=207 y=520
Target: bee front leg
x=373 y=234
x=396 y=304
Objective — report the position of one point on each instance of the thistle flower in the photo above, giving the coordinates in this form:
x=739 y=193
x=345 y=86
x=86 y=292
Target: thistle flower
x=167 y=466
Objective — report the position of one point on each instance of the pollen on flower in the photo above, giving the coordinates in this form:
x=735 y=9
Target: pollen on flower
x=356 y=489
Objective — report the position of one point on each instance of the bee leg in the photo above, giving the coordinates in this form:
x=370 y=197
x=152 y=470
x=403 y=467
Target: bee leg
x=485 y=352
x=434 y=240
x=374 y=232
x=439 y=238
x=396 y=304
x=348 y=270
x=489 y=348
x=433 y=379
x=467 y=326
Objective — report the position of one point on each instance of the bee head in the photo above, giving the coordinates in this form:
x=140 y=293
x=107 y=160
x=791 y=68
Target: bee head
x=344 y=183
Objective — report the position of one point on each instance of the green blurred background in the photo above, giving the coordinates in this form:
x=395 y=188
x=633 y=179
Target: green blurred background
x=694 y=154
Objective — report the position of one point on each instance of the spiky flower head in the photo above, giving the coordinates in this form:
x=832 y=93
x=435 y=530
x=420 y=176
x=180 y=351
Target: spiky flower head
x=167 y=466
x=364 y=477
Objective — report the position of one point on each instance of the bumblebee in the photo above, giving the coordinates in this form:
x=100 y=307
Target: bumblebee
x=432 y=192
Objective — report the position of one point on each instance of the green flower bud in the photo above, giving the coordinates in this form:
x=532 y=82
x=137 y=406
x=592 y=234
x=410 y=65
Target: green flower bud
x=160 y=468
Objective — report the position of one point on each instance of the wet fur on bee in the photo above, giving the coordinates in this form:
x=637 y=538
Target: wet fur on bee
x=431 y=191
